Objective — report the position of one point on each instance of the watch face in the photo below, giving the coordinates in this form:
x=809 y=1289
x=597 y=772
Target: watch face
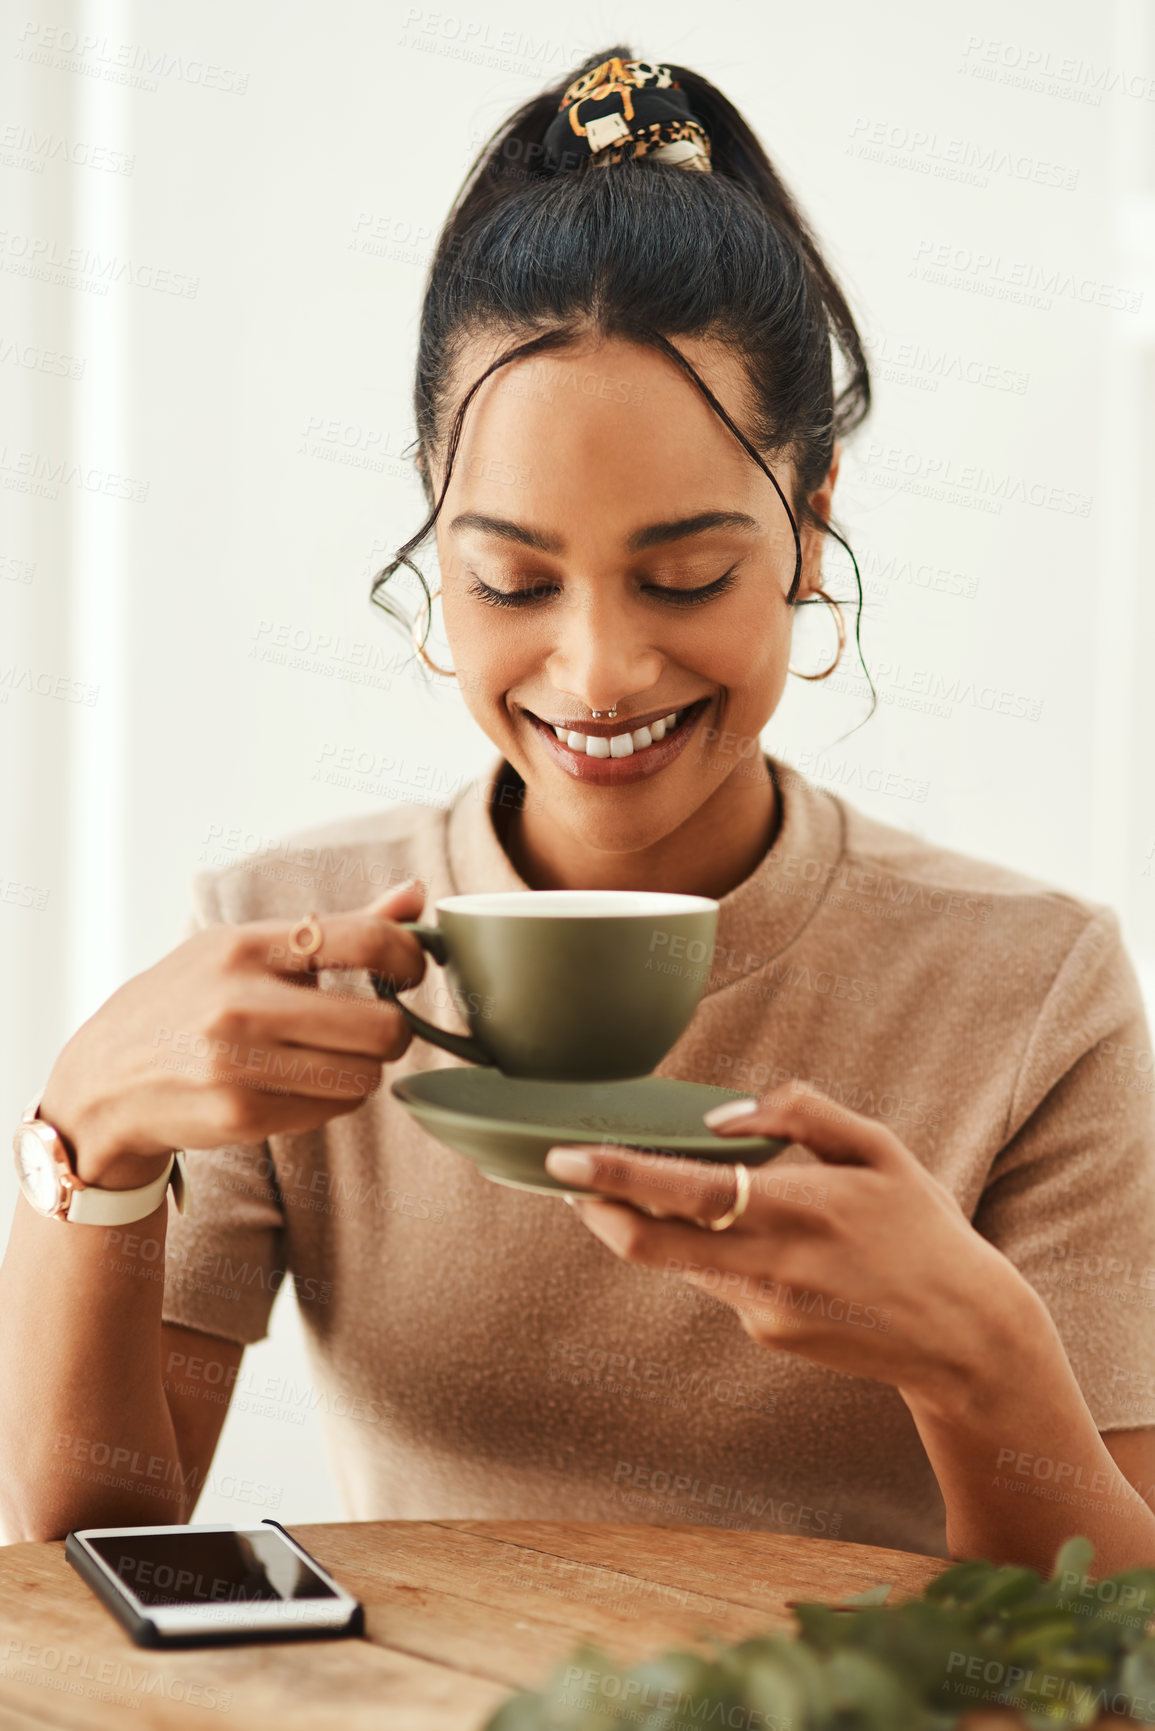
x=39 y=1172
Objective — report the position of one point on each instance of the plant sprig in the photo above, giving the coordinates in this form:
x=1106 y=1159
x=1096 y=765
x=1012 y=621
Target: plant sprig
x=1062 y=1651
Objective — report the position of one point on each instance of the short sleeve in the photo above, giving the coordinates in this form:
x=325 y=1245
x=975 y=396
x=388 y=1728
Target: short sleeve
x=225 y=1255
x=1070 y=1198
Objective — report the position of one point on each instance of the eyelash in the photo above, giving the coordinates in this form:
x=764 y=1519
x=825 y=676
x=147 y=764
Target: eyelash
x=679 y=597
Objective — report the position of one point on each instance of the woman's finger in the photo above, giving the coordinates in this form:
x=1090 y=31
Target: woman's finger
x=672 y=1244
x=697 y=1191
x=270 y=1067
x=802 y=1114
x=368 y=937
x=332 y=1021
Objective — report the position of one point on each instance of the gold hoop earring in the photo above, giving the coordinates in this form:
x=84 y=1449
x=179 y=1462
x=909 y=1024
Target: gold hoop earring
x=447 y=672
x=840 y=624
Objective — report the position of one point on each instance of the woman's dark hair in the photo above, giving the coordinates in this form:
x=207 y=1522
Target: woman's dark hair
x=647 y=251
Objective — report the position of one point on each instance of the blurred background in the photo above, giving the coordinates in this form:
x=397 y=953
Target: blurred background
x=214 y=232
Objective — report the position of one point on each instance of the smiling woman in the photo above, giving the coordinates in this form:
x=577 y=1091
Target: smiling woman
x=671 y=598
x=608 y=331
x=629 y=431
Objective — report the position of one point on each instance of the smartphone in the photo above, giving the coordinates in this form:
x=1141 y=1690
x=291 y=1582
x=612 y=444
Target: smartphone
x=207 y=1585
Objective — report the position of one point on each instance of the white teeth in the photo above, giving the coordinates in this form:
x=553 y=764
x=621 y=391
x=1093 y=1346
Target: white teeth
x=621 y=744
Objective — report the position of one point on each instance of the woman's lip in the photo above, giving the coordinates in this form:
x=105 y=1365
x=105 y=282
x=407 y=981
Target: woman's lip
x=622 y=724
x=609 y=771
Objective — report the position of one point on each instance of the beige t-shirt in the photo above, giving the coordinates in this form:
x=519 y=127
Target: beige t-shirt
x=478 y=1353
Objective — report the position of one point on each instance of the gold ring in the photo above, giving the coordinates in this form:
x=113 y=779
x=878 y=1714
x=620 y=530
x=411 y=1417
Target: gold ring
x=741 y=1198
x=309 y=946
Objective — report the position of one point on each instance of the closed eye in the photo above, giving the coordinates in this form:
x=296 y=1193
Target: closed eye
x=544 y=592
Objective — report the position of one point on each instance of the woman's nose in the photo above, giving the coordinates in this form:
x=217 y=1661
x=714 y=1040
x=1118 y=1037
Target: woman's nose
x=602 y=656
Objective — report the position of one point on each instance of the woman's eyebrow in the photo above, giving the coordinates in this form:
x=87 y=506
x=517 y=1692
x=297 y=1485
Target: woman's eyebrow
x=508 y=530
x=653 y=535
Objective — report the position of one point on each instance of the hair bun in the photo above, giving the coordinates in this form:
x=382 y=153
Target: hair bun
x=625 y=108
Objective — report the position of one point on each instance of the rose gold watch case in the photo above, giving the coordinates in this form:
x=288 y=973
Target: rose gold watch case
x=67 y=1183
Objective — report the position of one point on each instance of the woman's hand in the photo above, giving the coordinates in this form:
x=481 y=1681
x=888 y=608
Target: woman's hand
x=864 y=1263
x=219 y=1043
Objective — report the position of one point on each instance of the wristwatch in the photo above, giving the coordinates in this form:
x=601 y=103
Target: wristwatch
x=48 y=1179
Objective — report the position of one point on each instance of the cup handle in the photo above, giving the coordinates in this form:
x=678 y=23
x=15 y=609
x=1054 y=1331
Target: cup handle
x=464 y=1046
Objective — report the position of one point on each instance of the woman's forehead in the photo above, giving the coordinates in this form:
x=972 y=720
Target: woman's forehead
x=623 y=397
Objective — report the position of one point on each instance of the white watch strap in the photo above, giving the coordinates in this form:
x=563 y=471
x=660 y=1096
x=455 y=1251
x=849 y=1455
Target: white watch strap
x=95 y=1207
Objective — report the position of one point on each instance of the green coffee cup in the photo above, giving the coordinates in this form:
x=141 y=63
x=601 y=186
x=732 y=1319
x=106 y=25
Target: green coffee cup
x=567 y=985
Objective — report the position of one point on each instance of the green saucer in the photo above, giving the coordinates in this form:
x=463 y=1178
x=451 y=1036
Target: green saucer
x=506 y=1124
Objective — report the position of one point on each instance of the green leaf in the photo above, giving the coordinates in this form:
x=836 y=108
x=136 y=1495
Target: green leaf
x=872 y=1596
x=959 y=1584
x=774 y=1689
x=522 y=1712
x=1057 y=1634
x=700 y=1693
x=1074 y=1558
x=1007 y=1587
x=870 y=1695
x=822 y=1626
x=1137 y=1682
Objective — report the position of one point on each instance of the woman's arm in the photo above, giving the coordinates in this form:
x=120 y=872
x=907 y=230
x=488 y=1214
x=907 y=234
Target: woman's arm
x=1018 y=1457
x=910 y=1294
x=87 y=1433
x=98 y=1426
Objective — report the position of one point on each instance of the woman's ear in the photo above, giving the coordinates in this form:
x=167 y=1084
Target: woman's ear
x=427 y=471
x=820 y=501
x=822 y=497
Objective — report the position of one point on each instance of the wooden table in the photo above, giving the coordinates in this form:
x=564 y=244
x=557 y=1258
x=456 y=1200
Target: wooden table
x=458 y=1615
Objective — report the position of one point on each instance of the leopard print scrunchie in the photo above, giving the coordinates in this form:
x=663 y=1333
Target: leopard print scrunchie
x=626 y=108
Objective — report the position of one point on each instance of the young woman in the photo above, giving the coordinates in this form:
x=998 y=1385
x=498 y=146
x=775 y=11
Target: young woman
x=928 y=1323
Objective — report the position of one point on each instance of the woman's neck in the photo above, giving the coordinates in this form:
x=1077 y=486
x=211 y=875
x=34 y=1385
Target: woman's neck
x=710 y=854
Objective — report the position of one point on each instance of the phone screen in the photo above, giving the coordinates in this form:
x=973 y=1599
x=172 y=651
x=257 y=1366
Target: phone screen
x=186 y=1568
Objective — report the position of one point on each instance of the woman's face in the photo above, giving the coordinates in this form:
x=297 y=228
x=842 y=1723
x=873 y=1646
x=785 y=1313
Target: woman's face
x=599 y=490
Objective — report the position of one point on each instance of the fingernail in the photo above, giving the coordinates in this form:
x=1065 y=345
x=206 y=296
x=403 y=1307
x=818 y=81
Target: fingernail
x=569 y=1163
x=728 y=1109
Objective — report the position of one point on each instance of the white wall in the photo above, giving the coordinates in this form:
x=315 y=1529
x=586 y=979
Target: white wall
x=986 y=187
